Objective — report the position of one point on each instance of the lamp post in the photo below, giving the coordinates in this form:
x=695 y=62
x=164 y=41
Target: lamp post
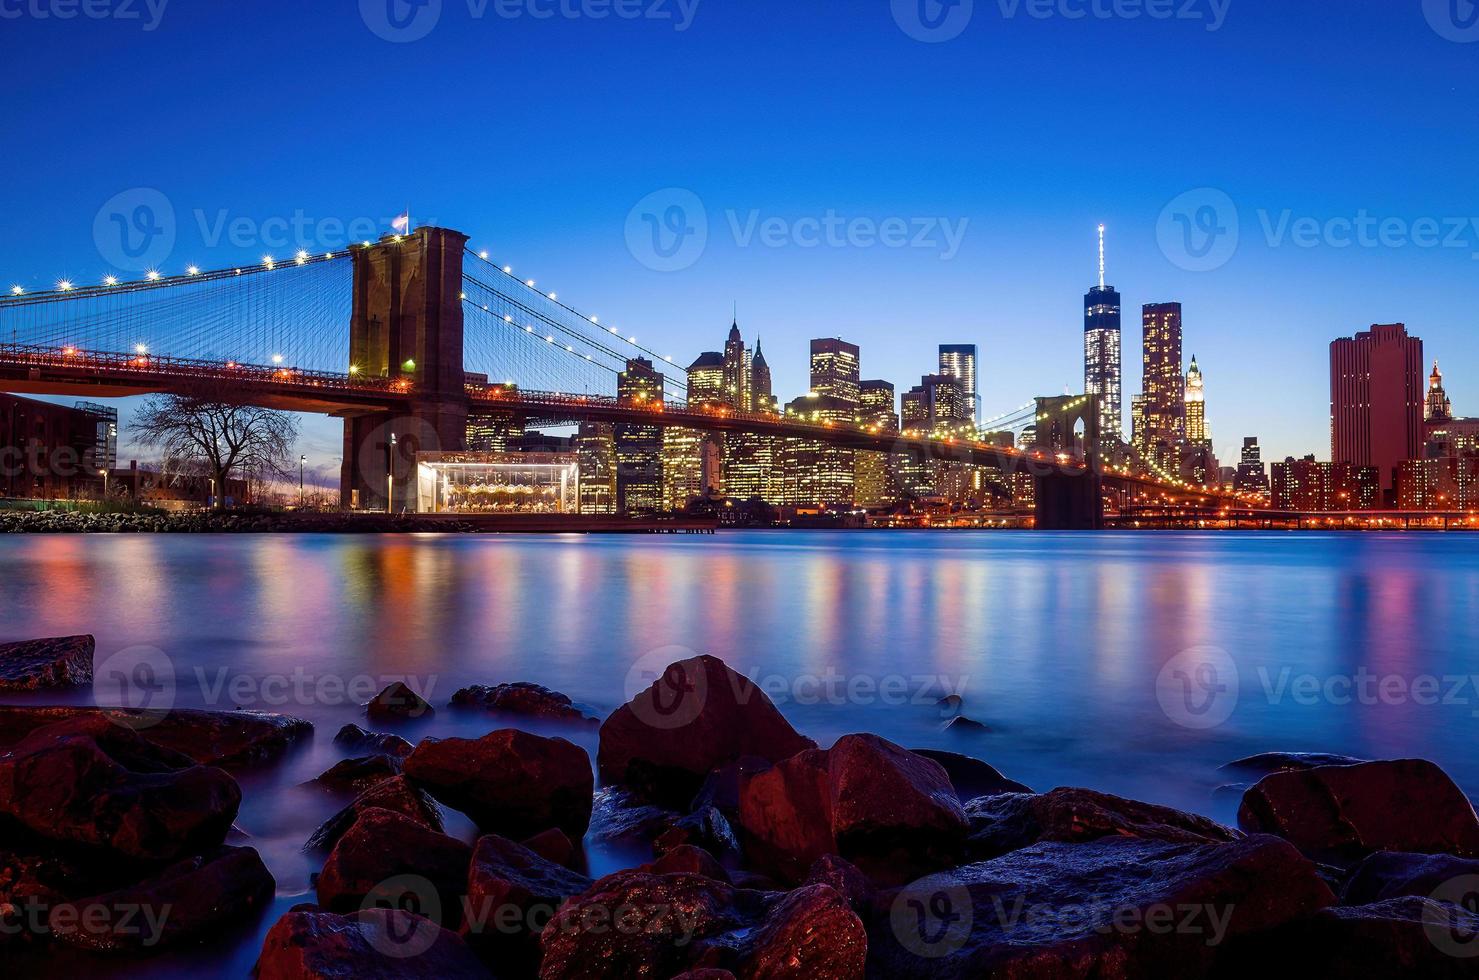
x=390 y=476
x=301 y=461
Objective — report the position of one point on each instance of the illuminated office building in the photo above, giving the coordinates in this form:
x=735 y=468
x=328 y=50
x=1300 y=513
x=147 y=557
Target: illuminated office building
x=959 y=362
x=595 y=456
x=834 y=370
x=1102 y=370
x=1164 y=425
x=873 y=470
x=639 y=484
x=1377 y=399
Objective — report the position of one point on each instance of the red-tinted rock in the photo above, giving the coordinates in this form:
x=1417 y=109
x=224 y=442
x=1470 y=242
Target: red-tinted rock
x=635 y=924
x=56 y=662
x=188 y=901
x=1010 y=821
x=687 y=859
x=811 y=933
x=972 y=777
x=1345 y=812
x=843 y=877
x=705 y=973
x=1268 y=762
x=553 y=845
x=1111 y=909
x=378 y=944
x=706 y=828
x=398 y=703
x=209 y=738
x=520 y=699
x=512 y=893
x=394 y=794
x=892 y=813
x=358 y=775
x=509 y=782
x=698 y=716
x=36 y=874
x=356 y=739
x=118 y=794
x=383 y=845
x=1394 y=874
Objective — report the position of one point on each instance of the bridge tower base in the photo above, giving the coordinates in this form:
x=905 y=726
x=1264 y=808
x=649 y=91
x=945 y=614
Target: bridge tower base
x=1069 y=501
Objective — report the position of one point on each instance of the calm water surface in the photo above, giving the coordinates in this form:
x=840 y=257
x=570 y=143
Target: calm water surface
x=1071 y=648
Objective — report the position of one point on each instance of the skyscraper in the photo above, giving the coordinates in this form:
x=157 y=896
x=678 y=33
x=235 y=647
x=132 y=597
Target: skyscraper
x=1376 y=399
x=874 y=470
x=1196 y=405
x=1102 y=352
x=959 y=361
x=762 y=397
x=1252 y=477
x=1439 y=408
x=737 y=370
x=1165 y=406
x=834 y=369
x=638 y=447
x=595 y=454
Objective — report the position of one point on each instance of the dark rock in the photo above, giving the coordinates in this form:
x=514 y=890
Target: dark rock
x=210 y=738
x=698 y=716
x=961 y=725
x=1393 y=874
x=972 y=777
x=36 y=874
x=952 y=703
x=114 y=791
x=689 y=860
x=1342 y=813
x=356 y=739
x=358 y=775
x=664 y=917
x=705 y=973
x=553 y=845
x=394 y=794
x=512 y=892
x=34 y=665
x=721 y=787
x=706 y=828
x=811 y=933
x=521 y=699
x=890 y=812
x=383 y=845
x=619 y=816
x=844 y=878
x=378 y=944
x=1261 y=765
x=509 y=782
x=187 y=901
x=1110 y=909
x=398 y=703
x=1400 y=937
x=1009 y=821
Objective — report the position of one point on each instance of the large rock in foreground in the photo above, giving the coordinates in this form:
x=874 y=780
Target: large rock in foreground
x=91 y=783
x=1009 y=821
x=511 y=893
x=187 y=901
x=1394 y=874
x=55 y=662
x=211 y=738
x=383 y=846
x=892 y=813
x=811 y=933
x=1342 y=813
x=377 y=944
x=394 y=794
x=509 y=782
x=1111 y=909
x=698 y=716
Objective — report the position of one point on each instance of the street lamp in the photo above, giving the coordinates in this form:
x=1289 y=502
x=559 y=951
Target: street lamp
x=390 y=476
x=301 y=460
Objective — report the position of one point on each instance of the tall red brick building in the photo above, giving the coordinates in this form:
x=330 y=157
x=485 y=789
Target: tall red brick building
x=1376 y=399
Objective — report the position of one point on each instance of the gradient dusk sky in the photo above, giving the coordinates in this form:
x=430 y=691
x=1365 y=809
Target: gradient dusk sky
x=538 y=135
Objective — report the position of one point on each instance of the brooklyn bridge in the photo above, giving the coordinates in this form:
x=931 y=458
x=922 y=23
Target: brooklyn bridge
x=409 y=338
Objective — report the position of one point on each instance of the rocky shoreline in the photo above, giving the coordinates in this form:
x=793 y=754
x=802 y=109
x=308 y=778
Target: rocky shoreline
x=766 y=856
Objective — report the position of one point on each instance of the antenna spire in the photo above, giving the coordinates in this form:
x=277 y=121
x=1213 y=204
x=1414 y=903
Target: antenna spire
x=1101 y=256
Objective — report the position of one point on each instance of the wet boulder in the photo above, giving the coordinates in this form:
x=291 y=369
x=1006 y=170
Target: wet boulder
x=108 y=789
x=843 y=877
x=1113 y=909
x=356 y=739
x=1393 y=874
x=892 y=813
x=358 y=775
x=186 y=902
x=394 y=794
x=509 y=782
x=553 y=845
x=1258 y=766
x=512 y=893
x=209 y=738
x=311 y=944
x=398 y=702
x=811 y=933
x=382 y=846
x=1009 y=821
x=972 y=777
x=55 y=662
x=523 y=700
x=698 y=716
x=36 y=874
x=1342 y=813
x=687 y=859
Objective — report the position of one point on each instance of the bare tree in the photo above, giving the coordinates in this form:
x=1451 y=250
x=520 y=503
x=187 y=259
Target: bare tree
x=206 y=427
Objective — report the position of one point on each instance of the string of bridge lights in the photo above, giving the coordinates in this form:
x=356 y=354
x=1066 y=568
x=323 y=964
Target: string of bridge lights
x=156 y=278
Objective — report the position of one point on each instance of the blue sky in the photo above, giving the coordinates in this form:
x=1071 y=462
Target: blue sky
x=537 y=135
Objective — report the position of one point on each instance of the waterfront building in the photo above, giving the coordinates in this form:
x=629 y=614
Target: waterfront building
x=959 y=362
x=1446 y=483
x=497 y=483
x=874 y=471
x=1102 y=367
x=1164 y=412
x=1377 y=399
x=639 y=484
x=54 y=452
x=816 y=473
x=1309 y=485
x=595 y=456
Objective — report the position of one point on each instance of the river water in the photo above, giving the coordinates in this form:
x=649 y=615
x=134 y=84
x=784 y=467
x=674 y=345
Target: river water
x=1134 y=663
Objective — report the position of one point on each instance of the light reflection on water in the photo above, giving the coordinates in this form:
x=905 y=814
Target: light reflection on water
x=1057 y=640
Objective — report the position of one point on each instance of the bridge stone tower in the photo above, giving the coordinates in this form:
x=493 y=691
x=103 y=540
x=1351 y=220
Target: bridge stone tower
x=1069 y=499
x=406 y=323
